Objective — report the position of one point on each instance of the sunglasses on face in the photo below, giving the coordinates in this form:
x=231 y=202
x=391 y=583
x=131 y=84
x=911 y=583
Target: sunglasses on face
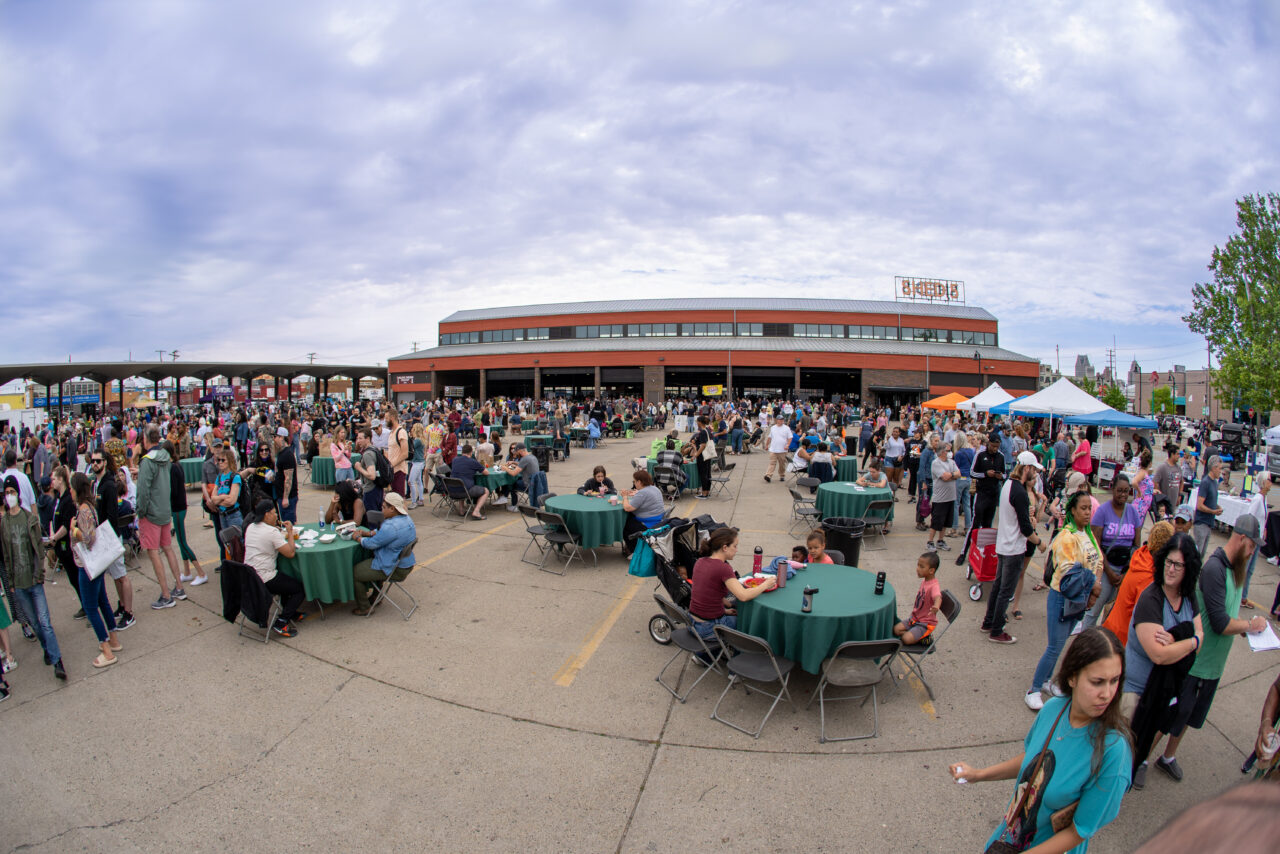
x=97 y=461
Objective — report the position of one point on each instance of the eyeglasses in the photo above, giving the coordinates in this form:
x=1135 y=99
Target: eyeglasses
x=1174 y=564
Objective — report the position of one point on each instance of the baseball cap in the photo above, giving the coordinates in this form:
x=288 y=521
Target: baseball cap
x=282 y=432
x=396 y=501
x=1184 y=513
x=1026 y=458
x=1248 y=526
x=518 y=446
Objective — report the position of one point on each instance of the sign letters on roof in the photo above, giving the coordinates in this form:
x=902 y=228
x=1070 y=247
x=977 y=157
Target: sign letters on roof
x=921 y=289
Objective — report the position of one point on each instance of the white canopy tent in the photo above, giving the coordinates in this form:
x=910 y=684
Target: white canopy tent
x=1272 y=436
x=1059 y=400
x=990 y=396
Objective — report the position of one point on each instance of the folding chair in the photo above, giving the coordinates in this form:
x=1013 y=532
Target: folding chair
x=384 y=589
x=837 y=556
x=232 y=539
x=853 y=665
x=874 y=518
x=752 y=660
x=373 y=519
x=690 y=643
x=559 y=536
x=537 y=534
x=457 y=491
x=720 y=482
x=439 y=491
x=667 y=480
x=544 y=498
x=912 y=654
x=249 y=576
x=803 y=511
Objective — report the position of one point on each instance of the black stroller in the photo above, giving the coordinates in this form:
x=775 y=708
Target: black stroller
x=674 y=545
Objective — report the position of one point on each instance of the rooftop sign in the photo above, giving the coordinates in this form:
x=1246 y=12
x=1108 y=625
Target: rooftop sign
x=923 y=289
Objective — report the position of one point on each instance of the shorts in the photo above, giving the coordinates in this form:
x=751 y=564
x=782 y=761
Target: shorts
x=476 y=491
x=1193 y=704
x=918 y=631
x=1030 y=550
x=153 y=536
x=893 y=462
x=118 y=570
x=940 y=515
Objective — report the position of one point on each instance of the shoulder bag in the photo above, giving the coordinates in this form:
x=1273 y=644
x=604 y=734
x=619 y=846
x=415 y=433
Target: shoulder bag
x=1058 y=820
x=107 y=549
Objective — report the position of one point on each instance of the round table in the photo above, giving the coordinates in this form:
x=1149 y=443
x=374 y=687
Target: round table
x=494 y=479
x=690 y=472
x=848 y=499
x=325 y=568
x=192 y=470
x=846 y=608
x=322 y=471
x=530 y=439
x=847 y=468
x=594 y=521
x=528 y=424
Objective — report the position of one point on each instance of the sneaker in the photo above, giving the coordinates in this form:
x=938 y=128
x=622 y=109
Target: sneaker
x=497 y=502
x=47 y=660
x=59 y=671
x=9 y=664
x=284 y=630
x=28 y=633
x=196 y=582
x=185 y=578
x=163 y=602
x=986 y=630
x=942 y=545
x=79 y=615
x=119 y=609
x=511 y=508
x=1140 y=777
x=1170 y=767
x=768 y=479
x=4 y=692
x=177 y=593
x=124 y=621
x=1003 y=637
x=931 y=546
x=1034 y=701
x=1051 y=687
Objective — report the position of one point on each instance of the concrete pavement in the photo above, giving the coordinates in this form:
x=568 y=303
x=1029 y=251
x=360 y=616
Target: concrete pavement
x=509 y=713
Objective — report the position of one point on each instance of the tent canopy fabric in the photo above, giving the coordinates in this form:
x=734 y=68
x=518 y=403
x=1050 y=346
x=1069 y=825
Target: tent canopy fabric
x=1112 y=418
x=1062 y=398
x=1004 y=408
x=946 y=402
x=1273 y=435
x=992 y=395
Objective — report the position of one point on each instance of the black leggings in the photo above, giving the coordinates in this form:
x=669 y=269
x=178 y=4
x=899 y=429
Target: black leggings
x=704 y=474
x=68 y=564
x=290 y=591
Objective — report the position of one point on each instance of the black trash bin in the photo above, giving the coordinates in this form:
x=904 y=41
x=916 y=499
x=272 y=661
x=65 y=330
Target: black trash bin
x=543 y=455
x=845 y=536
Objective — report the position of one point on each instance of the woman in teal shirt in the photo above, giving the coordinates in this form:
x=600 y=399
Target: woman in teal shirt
x=1088 y=761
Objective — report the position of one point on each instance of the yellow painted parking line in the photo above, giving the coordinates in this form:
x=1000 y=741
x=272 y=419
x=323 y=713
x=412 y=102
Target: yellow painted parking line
x=566 y=674
x=475 y=539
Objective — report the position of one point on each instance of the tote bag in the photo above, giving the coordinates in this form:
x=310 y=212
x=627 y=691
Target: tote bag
x=107 y=549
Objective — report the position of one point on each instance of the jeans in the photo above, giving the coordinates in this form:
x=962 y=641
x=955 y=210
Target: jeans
x=93 y=598
x=32 y=599
x=706 y=628
x=1200 y=533
x=373 y=499
x=415 y=482
x=347 y=473
x=290 y=513
x=1008 y=568
x=962 y=505
x=735 y=439
x=1057 y=631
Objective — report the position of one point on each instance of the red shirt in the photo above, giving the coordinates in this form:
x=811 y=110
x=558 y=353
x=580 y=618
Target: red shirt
x=709 y=577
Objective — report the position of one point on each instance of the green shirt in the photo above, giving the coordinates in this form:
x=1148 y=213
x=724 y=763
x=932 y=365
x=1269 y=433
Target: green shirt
x=19 y=551
x=1211 y=659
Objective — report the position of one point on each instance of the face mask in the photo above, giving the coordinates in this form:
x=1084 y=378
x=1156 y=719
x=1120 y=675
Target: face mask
x=11 y=500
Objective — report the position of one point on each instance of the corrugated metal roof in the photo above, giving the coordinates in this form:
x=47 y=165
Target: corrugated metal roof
x=718 y=303
x=808 y=345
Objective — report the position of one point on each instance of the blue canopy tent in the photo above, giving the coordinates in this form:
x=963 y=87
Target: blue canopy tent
x=1112 y=418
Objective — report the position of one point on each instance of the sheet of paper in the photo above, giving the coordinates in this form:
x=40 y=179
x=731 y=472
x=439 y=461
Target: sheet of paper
x=1263 y=640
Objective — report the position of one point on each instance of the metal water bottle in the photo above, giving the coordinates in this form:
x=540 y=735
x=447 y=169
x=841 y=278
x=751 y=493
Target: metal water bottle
x=806 y=601
x=782 y=575
x=879 y=583
x=758 y=562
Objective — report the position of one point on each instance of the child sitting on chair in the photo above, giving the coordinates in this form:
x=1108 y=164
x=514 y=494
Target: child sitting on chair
x=924 y=614
x=817 y=543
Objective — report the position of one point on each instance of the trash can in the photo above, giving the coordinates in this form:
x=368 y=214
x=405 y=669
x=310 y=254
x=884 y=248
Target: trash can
x=543 y=455
x=845 y=536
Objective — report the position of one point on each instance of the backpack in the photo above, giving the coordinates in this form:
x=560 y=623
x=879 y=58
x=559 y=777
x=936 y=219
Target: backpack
x=384 y=473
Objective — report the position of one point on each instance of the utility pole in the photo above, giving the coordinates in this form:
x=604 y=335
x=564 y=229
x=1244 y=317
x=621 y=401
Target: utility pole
x=415 y=346
x=311 y=358
x=173 y=355
x=1208 y=379
x=161 y=354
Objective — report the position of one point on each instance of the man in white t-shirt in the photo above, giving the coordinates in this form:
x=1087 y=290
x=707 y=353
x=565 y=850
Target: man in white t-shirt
x=1015 y=528
x=780 y=436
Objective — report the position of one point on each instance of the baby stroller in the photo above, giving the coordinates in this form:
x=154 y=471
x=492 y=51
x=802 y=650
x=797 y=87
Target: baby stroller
x=669 y=543
x=982 y=561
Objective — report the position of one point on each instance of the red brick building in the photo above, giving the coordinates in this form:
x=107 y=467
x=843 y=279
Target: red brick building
x=865 y=350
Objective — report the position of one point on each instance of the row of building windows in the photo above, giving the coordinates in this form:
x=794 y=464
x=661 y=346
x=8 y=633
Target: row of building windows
x=704 y=330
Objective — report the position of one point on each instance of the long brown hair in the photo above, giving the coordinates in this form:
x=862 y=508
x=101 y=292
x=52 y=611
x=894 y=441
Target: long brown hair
x=1095 y=644
x=720 y=538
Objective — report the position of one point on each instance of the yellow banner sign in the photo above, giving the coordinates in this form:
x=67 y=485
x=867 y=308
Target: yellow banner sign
x=712 y=390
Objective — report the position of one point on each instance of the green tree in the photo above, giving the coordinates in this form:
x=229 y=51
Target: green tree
x=1085 y=384
x=1239 y=311
x=1162 y=401
x=1112 y=396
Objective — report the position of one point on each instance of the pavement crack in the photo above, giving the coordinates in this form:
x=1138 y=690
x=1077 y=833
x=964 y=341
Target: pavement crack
x=653 y=758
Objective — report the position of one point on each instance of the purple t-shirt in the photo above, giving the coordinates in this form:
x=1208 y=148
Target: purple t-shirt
x=1116 y=530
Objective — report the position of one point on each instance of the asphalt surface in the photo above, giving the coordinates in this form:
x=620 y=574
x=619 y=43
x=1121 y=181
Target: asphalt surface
x=517 y=710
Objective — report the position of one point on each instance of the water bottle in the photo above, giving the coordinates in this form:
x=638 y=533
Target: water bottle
x=879 y=583
x=758 y=562
x=782 y=575
x=806 y=601
x=321 y=523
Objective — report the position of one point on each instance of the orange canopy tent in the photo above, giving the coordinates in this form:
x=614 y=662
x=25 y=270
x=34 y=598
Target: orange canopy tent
x=947 y=401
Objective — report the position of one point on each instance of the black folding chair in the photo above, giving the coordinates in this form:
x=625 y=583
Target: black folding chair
x=384 y=589
x=561 y=539
x=912 y=654
x=752 y=660
x=690 y=643
x=537 y=535
x=875 y=518
x=803 y=511
x=854 y=665
x=457 y=491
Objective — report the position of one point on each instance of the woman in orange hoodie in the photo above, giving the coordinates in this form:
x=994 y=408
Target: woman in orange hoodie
x=1138 y=578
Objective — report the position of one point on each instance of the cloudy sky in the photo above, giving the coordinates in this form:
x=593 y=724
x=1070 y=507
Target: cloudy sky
x=266 y=180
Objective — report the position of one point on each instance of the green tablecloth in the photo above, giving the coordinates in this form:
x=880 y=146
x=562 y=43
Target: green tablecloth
x=495 y=479
x=690 y=471
x=322 y=471
x=846 y=608
x=192 y=470
x=325 y=568
x=595 y=521
x=532 y=439
x=846 y=499
x=528 y=424
x=578 y=434
x=847 y=468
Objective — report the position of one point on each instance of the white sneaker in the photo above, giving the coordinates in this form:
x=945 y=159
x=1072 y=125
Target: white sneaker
x=1034 y=701
x=511 y=508
x=196 y=582
x=498 y=502
x=186 y=578
x=1051 y=687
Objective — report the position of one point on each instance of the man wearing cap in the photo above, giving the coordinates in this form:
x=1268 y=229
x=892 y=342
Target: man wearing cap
x=525 y=468
x=263 y=541
x=1207 y=509
x=1218 y=597
x=396 y=532
x=381 y=437
x=1014 y=530
x=1182 y=519
x=286 y=482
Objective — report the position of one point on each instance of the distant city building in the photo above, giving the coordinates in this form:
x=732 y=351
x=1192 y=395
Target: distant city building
x=1084 y=368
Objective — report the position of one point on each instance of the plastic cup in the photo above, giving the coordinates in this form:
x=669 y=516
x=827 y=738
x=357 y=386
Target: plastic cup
x=1269 y=747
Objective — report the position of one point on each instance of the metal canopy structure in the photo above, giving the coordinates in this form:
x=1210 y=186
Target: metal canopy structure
x=104 y=373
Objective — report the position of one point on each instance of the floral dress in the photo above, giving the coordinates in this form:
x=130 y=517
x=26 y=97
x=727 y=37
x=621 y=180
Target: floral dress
x=1143 y=496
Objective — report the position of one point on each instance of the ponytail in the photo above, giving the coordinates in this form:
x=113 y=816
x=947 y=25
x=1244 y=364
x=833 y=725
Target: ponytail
x=719 y=539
